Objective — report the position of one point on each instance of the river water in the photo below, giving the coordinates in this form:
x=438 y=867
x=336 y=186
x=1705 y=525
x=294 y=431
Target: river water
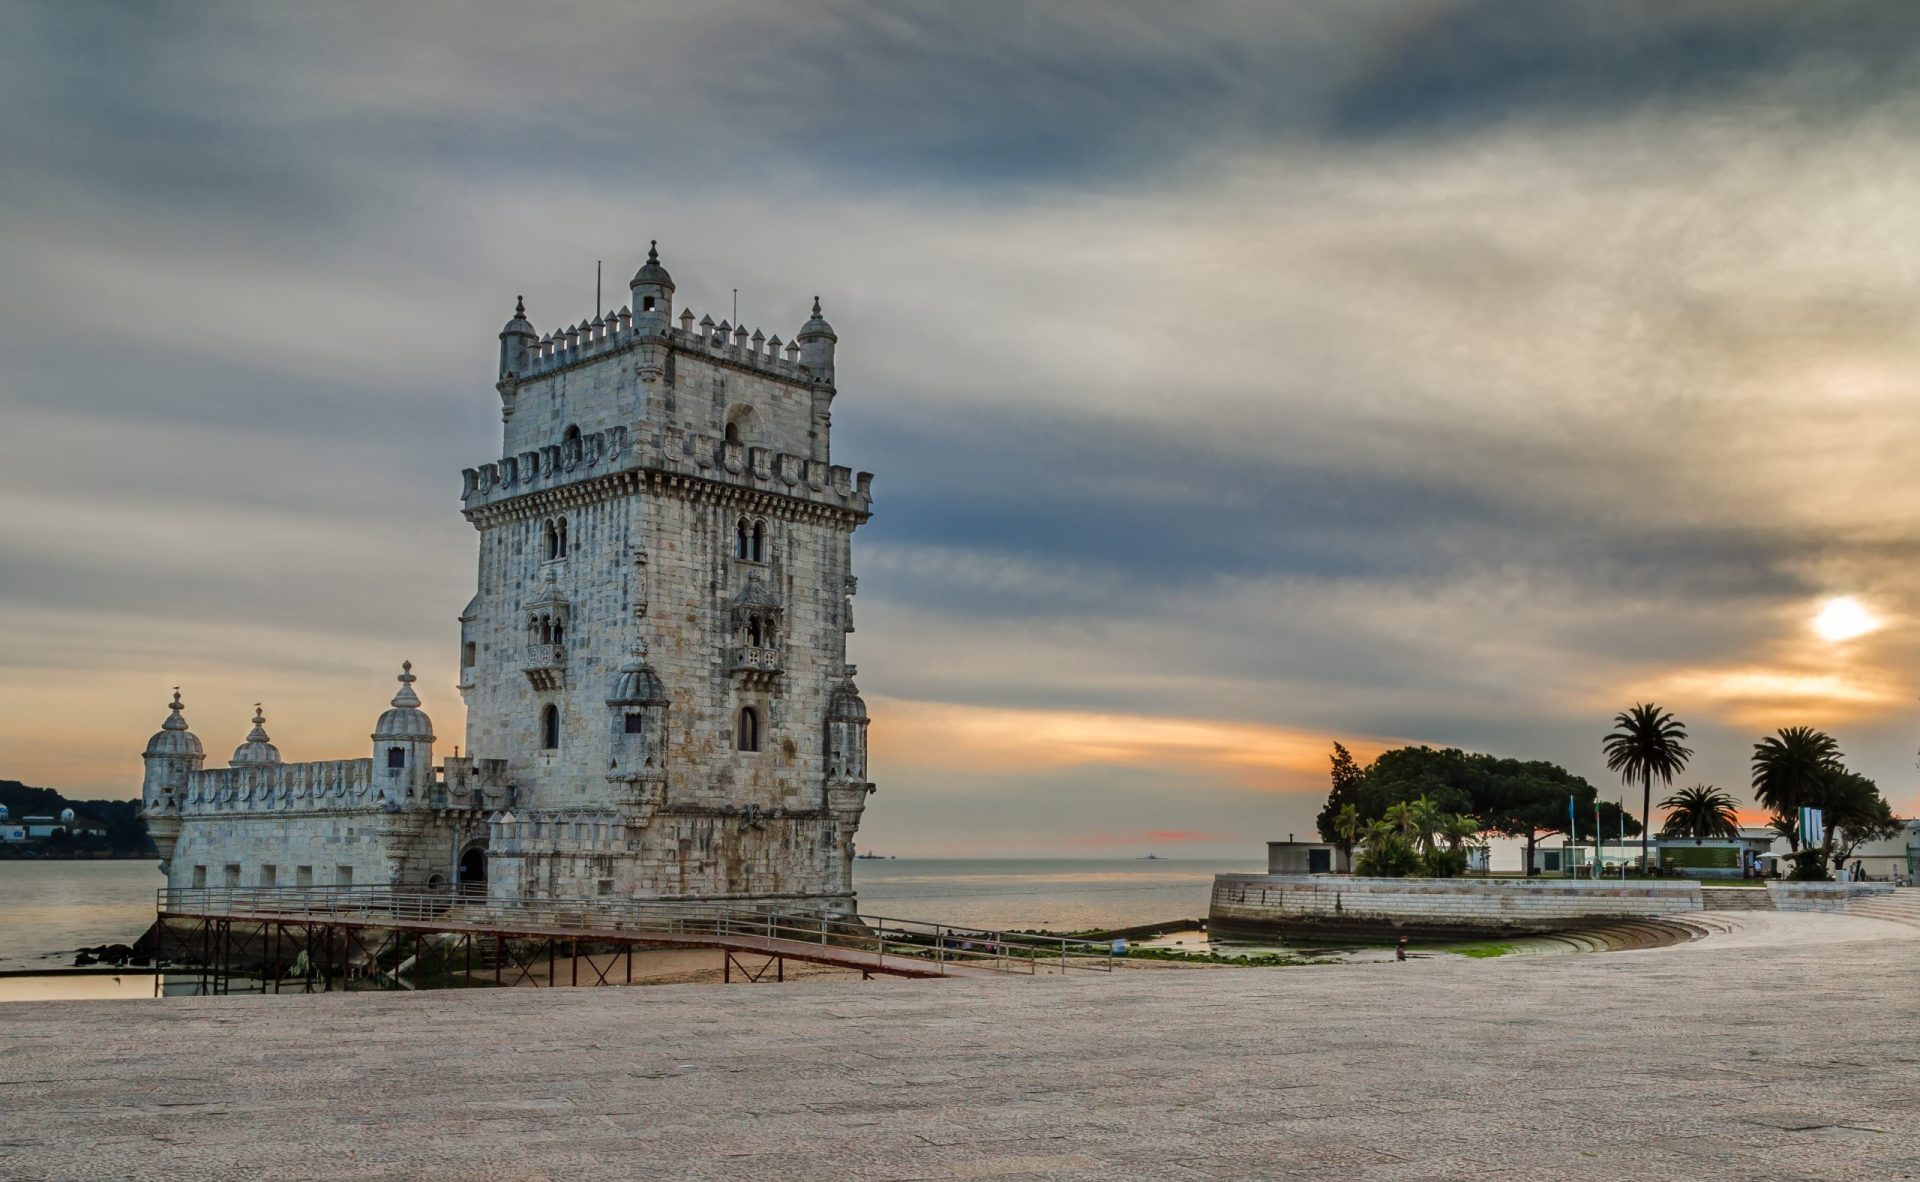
x=49 y=909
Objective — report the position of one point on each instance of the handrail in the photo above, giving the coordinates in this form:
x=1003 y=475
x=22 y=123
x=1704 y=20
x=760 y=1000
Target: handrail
x=929 y=944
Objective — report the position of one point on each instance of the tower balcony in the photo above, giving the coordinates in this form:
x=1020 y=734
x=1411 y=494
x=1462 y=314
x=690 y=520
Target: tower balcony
x=546 y=665
x=753 y=662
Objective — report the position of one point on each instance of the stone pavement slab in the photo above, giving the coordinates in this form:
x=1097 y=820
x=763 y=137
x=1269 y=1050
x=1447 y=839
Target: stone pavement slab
x=1787 y=1050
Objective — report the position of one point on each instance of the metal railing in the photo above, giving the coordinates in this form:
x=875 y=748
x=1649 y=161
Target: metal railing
x=929 y=946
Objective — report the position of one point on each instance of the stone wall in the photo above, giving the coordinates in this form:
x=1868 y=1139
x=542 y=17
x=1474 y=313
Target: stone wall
x=1328 y=904
x=1822 y=896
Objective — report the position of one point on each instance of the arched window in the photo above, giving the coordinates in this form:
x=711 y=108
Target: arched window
x=550 y=541
x=560 y=631
x=561 y=551
x=753 y=631
x=747 y=733
x=742 y=539
x=550 y=727
x=733 y=432
x=759 y=541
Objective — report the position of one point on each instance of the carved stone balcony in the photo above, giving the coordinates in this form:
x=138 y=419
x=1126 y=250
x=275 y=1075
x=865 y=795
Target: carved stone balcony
x=546 y=666
x=754 y=664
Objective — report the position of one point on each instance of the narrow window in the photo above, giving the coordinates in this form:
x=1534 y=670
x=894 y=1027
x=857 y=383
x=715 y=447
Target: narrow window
x=469 y=653
x=550 y=542
x=733 y=432
x=200 y=876
x=742 y=540
x=559 y=632
x=563 y=538
x=396 y=757
x=646 y=304
x=759 y=541
x=550 y=727
x=748 y=736
x=636 y=722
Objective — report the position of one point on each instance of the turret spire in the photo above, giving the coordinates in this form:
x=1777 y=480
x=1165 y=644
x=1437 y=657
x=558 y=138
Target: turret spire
x=406 y=697
x=176 y=721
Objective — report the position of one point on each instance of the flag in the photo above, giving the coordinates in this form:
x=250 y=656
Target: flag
x=1813 y=827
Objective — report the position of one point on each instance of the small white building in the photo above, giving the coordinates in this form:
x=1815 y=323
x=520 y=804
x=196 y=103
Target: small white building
x=1306 y=857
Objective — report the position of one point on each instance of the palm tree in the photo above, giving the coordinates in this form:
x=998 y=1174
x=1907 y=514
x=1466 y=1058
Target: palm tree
x=1347 y=826
x=1699 y=812
x=1425 y=817
x=1792 y=768
x=1646 y=746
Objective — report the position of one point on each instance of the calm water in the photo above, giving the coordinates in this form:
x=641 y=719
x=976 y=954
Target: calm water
x=48 y=909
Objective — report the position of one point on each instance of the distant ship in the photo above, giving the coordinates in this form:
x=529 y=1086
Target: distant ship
x=873 y=857
x=1149 y=858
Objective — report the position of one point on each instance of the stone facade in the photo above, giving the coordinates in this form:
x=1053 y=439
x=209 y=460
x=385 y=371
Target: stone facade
x=654 y=664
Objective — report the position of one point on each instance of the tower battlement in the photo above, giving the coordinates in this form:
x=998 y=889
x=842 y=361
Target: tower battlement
x=605 y=336
x=671 y=452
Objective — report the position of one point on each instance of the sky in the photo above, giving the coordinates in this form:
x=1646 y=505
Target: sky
x=1238 y=377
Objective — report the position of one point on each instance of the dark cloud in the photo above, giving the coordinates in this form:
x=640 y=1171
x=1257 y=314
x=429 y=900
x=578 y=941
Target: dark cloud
x=1481 y=62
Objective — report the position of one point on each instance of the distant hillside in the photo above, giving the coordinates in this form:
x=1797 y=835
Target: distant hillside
x=126 y=832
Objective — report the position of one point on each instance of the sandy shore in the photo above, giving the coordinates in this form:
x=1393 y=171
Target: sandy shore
x=1779 y=1049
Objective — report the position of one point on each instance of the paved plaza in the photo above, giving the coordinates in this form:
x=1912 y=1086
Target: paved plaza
x=1785 y=1049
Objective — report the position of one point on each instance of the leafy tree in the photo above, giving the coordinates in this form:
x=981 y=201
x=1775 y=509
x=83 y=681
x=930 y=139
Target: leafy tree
x=1700 y=812
x=1348 y=782
x=1647 y=744
x=1790 y=770
x=1855 y=813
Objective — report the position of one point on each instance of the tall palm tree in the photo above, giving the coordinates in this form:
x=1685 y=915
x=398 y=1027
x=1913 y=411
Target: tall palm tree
x=1647 y=745
x=1791 y=768
x=1699 y=812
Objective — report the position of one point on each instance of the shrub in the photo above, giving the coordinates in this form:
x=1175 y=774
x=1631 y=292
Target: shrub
x=1810 y=865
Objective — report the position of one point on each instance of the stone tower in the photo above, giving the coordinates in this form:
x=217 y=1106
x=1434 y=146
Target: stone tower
x=654 y=663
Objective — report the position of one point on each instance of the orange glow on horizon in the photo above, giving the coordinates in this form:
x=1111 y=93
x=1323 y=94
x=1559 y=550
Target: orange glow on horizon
x=997 y=739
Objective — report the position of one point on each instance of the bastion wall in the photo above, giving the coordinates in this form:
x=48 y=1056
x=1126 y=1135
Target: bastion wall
x=1261 y=904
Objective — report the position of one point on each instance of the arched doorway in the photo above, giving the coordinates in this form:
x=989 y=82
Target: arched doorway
x=473 y=871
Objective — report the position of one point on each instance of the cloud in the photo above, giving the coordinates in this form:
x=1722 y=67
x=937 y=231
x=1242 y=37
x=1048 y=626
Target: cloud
x=1442 y=372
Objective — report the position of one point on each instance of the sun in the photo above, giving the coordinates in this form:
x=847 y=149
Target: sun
x=1843 y=619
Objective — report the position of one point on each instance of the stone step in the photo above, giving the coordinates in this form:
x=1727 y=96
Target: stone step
x=1902 y=906
x=1735 y=899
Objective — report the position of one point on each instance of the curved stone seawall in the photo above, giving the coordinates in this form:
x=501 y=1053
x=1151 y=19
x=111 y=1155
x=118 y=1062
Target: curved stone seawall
x=1334 y=904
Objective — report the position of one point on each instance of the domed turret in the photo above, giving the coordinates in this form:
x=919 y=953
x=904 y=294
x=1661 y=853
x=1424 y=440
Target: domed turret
x=517 y=340
x=816 y=340
x=173 y=738
x=637 y=684
x=652 y=291
x=639 y=705
x=405 y=721
x=847 y=733
x=258 y=749
x=172 y=756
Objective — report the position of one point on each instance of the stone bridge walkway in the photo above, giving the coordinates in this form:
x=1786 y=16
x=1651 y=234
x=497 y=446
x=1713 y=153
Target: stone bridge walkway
x=1783 y=1047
